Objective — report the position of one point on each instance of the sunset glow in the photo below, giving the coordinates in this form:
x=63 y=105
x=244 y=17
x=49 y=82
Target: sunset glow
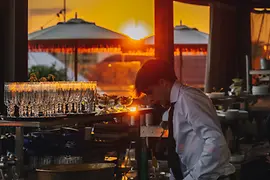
x=116 y=15
x=135 y=32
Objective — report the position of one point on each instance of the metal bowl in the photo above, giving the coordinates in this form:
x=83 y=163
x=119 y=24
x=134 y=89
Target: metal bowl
x=94 y=171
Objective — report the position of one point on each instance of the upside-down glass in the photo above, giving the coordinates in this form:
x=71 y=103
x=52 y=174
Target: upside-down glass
x=49 y=98
x=66 y=90
x=21 y=98
x=72 y=87
x=78 y=90
x=90 y=97
x=36 y=99
x=9 y=99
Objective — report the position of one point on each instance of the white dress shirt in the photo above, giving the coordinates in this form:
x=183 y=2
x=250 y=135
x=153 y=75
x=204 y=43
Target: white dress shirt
x=199 y=139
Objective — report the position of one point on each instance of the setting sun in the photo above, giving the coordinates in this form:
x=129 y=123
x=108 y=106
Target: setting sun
x=135 y=31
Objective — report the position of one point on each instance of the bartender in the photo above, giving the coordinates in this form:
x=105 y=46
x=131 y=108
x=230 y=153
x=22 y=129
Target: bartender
x=197 y=149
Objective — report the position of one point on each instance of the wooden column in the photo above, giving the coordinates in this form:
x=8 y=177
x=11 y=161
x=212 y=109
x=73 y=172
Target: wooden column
x=229 y=43
x=164 y=45
x=3 y=49
x=16 y=40
x=9 y=40
x=222 y=64
x=244 y=37
x=21 y=40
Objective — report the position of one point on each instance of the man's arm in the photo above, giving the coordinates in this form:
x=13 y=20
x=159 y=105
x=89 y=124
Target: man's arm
x=202 y=117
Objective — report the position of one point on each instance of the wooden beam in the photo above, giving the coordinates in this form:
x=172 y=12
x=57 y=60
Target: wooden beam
x=221 y=63
x=164 y=48
x=14 y=43
x=243 y=38
x=253 y=3
x=9 y=33
x=229 y=43
x=207 y=2
x=16 y=40
x=3 y=50
x=195 y=2
x=21 y=40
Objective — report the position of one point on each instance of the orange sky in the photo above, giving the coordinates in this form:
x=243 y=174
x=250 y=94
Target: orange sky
x=114 y=14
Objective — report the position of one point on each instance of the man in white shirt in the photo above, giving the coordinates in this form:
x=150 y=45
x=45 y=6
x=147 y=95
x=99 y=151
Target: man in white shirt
x=197 y=135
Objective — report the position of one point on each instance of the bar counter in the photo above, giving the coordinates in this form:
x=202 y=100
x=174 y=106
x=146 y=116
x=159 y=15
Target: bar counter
x=60 y=122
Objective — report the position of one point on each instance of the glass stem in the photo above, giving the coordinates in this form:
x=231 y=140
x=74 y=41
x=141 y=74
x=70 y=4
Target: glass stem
x=21 y=110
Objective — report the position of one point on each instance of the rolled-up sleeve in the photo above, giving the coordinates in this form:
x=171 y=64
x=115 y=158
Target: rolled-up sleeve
x=202 y=117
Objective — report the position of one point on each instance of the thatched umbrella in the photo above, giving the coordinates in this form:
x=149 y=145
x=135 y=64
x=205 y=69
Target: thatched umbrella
x=74 y=36
x=186 y=39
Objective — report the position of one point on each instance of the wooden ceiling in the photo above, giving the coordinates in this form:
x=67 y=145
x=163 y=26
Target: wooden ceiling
x=254 y=3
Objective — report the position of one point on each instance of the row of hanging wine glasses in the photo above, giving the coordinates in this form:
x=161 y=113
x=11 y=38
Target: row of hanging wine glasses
x=35 y=99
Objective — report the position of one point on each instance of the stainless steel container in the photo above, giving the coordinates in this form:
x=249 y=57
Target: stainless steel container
x=265 y=64
x=95 y=171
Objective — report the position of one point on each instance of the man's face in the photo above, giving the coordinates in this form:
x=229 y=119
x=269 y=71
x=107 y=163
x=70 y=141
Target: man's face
x=159 y=93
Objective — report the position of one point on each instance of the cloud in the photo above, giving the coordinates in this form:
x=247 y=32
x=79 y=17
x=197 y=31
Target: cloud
x=44 y=11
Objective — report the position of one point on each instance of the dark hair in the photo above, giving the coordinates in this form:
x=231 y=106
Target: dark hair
x=151 y=72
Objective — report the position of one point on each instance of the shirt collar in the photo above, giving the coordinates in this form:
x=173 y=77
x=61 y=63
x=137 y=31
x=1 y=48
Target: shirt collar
x=175 y=91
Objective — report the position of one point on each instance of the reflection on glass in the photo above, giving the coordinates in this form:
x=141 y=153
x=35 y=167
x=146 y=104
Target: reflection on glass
x=49 y=98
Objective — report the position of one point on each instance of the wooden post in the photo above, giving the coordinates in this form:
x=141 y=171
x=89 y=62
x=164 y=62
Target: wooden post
x=15 y=32
x=14 y=43
x=21 y=40
x=222 y=63
x=9 y=40
x=181 y=64
x=230 y=42
x=4 y=8
x=76 y=63
x=244 y=38
x=164 y=45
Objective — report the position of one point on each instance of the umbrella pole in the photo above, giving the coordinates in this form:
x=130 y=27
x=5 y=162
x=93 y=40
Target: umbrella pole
x=65 y=60
x=181 y=64
x=76 y=63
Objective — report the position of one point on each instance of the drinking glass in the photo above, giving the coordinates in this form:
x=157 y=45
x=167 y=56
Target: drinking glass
x=91 y=96
x=77 y=98
x=9 y=98
x=21 y=98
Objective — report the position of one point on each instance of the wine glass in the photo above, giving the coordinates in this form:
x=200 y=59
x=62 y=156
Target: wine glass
x=59 y=98
x=66 y=90
x=36 y=99
x=91 y=96
x=20 y=98
x=9 y=98
x=84 y=92
x=78 y=90
x=72 y=94
x=49 y=91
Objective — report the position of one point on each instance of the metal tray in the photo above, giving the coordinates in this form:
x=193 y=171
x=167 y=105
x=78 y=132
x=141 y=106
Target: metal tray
x=41 y=118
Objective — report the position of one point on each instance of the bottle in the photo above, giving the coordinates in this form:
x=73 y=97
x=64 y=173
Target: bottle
x=144 y=161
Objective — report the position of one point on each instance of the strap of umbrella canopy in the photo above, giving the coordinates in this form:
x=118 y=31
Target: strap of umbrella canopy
x=80 y=50
x=150 y=51
x=76 y=21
